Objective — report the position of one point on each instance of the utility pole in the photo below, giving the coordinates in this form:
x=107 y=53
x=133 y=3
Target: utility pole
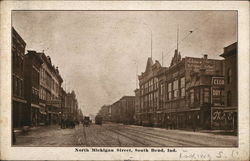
x=177 y=39
x=162 y=58
x=151 y=45
x=136 y=76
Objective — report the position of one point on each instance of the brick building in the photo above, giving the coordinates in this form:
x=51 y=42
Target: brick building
x=71 y=106
x=49 y=92
x=105 y=112
x=18 y=101
x=116 y=112
x=227 y=117
x=32 y=65
x=148 y=83
x=187 y=97
x=127 y=109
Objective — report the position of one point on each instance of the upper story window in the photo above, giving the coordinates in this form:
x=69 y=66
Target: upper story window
x=183 y=87
x=192 y=97
x=169 y=91
x=229 y=75
x=176 y=88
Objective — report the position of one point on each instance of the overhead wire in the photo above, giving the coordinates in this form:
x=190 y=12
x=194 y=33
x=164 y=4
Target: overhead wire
x=185 y=37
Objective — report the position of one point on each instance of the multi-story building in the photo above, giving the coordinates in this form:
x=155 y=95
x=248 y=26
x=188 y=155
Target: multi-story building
x=63 y=111
x=71 y=106
x=105 y=112
x=49 y=93
x=32 y=65
x=19 y=108
x=127 y=109
x=228 y=115
x=185 y=91
x=116 y=112
x=123 y=110
x=148 y=83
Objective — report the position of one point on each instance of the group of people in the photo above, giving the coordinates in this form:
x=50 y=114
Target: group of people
x=69 y=123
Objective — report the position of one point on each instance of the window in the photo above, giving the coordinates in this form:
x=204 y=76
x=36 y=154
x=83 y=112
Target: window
x=156 y=82
x=201 y=96
x=169 y=91
x=206 y=95
x=192 y=97
x=162 y=90
x=176 y=88
x=229 y=76
x=229 y=98
x=183 y=87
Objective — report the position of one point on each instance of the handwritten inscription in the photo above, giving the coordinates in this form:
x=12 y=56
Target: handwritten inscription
x=192 y=155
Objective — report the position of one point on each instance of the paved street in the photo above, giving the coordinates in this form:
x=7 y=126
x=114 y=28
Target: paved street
x=118 y=135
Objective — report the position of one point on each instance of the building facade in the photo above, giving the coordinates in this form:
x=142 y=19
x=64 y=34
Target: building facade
x=127 y=109
x=105 y=112
x=32 y=66
x=50 y=91
x=71 y=106
x=18 y=101
x=227 y=117
x=149 y=100
x=187 y=87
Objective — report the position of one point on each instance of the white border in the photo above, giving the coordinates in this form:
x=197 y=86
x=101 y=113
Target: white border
x=58 y=153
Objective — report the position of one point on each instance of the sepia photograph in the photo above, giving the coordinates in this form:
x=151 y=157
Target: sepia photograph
x=119 y=78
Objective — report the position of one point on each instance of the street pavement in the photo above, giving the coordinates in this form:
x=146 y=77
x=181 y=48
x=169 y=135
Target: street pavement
x=118 y=135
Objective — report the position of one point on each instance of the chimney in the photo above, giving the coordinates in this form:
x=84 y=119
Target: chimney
x=205 y=56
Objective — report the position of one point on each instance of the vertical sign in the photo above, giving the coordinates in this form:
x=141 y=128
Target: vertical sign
x=217 y=91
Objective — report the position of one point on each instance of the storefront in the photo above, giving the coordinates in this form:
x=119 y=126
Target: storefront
x=19 y=112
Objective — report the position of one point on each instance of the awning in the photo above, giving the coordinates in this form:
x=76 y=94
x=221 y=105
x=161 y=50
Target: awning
x=43 y=112
x=34 y=105
x=19 y=100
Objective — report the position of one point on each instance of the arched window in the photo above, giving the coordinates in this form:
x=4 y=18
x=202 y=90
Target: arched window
x=229 y=98
x=229 y=75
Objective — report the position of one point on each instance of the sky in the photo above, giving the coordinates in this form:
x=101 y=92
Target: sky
x=98 y=53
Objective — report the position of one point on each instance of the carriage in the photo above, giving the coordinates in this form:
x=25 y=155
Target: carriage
x=86 y=121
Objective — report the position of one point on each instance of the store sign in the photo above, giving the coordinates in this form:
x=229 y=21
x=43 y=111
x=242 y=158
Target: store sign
x=54 y=102
x=218 y=81
x=196 y=63
x=220 y=118
x=218 y=91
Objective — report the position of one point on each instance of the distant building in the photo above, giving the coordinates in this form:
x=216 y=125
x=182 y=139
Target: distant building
x=105 y=112
x=137 y=114
x=116 y=112
x=127 y=109
x=19 y=108
x=71 y=106
x=32 y=66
